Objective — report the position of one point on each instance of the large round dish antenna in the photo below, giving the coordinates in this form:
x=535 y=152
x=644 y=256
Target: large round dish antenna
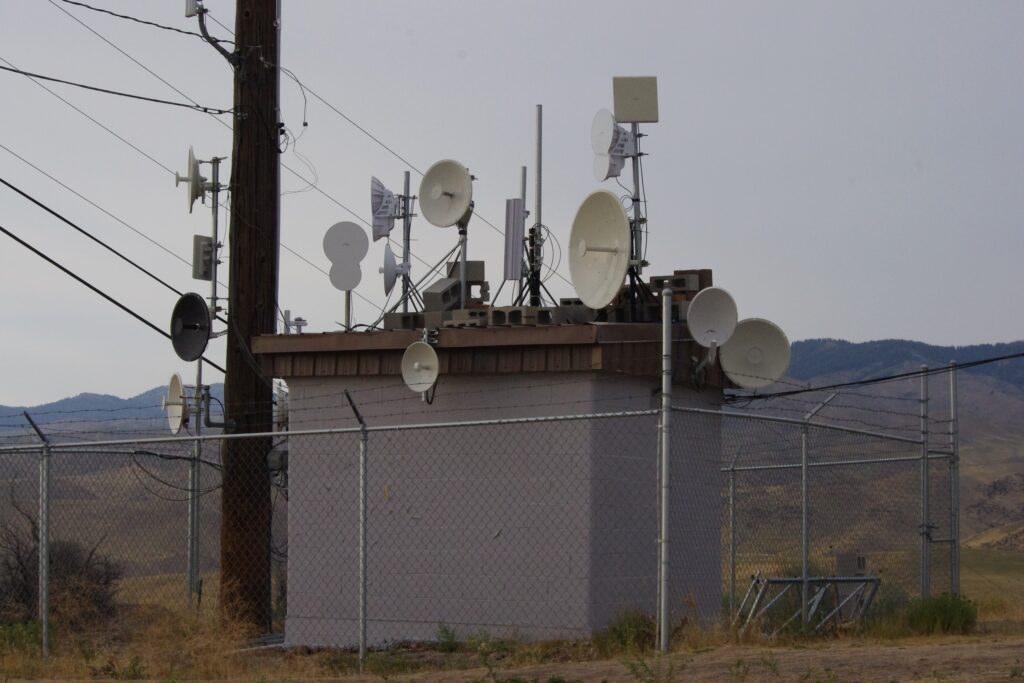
x=345 y=245
x=196 y=183
x=756 y=355
x=419 y=366
x=190 y=326
x=446 y=194
x=599 y=249
x=711 y=317
x=175 y=405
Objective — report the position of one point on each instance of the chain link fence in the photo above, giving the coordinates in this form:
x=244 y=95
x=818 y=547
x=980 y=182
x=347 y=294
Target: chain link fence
x=541 y=527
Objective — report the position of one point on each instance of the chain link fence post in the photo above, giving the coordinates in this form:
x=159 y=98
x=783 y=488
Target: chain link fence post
x=666 y=412
x=732 y=540
x=954 y=483
x=925 y=531
x=44 y=549
x=363 y=444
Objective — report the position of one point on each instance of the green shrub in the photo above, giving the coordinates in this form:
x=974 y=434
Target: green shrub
x=630 y=632
x=943 y=614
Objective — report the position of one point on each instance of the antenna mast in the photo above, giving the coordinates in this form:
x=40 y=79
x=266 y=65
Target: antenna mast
x=536 y=238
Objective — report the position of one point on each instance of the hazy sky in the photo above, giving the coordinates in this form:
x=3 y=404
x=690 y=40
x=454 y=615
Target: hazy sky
x=848 y=170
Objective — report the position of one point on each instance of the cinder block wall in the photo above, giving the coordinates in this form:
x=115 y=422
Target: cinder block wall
x=545 y=530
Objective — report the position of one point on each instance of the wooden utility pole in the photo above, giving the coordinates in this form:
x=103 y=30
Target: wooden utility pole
x=245 y=588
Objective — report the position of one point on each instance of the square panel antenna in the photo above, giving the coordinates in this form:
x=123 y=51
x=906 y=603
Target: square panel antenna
x=636 y=99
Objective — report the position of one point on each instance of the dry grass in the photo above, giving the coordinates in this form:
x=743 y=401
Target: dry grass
x=150 y=640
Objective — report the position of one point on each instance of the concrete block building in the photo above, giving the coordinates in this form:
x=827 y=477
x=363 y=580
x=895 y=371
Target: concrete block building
x=544 y=529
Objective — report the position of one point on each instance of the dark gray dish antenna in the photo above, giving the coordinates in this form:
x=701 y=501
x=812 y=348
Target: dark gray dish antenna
x=190 y=326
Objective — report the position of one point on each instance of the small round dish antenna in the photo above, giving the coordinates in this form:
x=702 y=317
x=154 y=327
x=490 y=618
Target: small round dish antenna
x=383 y=207
x=196 y=183
x=711 y=317
x=190 y=327
x=174 y=404
x=420 y=366
x=446 y=194
x=391 y=269
x=756 y=355
x=345 y=245
x=599 y=249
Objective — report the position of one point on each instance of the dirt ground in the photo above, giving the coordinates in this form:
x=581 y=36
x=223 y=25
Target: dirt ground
x=960 y=659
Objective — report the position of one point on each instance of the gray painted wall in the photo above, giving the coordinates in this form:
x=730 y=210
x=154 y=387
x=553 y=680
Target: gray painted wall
x=544 y=530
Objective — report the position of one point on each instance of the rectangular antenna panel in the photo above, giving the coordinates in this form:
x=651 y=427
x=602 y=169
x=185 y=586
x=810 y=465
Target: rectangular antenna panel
x=515 y=228
x=636 y=99
x=202 y=258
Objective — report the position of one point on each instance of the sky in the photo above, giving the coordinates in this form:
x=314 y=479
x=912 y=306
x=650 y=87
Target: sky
x=848 y=170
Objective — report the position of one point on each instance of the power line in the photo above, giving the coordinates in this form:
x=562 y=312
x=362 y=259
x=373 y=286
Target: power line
x=195 y=107
x=92 y=203
x=880 y=380
x=95 y=289
x=133 y=146
x=143 y=21
x=88 y=234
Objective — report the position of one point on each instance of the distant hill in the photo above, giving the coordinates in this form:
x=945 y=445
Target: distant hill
x=93 y=408
x=813 y=358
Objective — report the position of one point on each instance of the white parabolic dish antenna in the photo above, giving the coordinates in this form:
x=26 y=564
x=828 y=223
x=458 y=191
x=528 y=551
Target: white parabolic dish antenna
x=419 y=366
x=756 y=355
x=711 y=317
x=196 y=182
x=446 y=194
x=345 y=245
x=174 y=404
x=391 y=269
x=599 y=249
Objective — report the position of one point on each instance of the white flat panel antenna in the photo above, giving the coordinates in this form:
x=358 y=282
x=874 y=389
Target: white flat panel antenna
x=636 y=99
x=515 y=230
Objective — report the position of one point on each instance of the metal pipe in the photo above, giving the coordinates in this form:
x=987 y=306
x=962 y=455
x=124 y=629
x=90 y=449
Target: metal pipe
x=535 y=236
x=348 y=310
x=637 y=251
x=406 y=238
x=193 y=489
x=925 y=531
x=44 y=550
x=844 y=463
x=732 y=541
x=666 y=415
x=363 y=445
x=794 y=421
x=805 y=547
x=463 y=294
x=87 y=445
x=954 y=482
x=804 y=541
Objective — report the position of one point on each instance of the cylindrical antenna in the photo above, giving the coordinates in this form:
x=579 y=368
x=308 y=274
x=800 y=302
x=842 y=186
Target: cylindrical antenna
x=535 y=236
x=406 y=229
